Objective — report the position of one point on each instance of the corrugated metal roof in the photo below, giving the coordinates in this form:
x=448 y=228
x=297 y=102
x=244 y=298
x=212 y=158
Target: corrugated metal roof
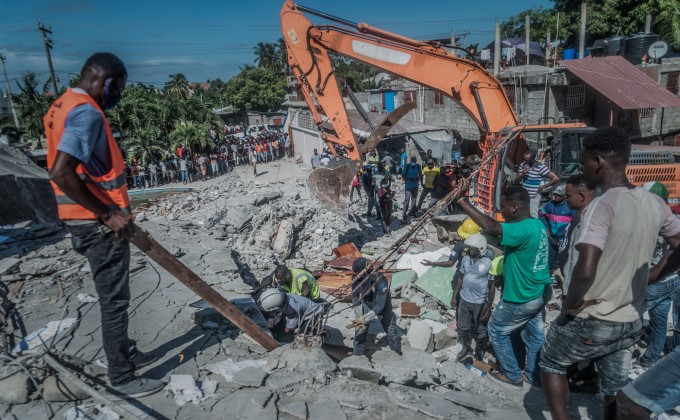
x=621 y=82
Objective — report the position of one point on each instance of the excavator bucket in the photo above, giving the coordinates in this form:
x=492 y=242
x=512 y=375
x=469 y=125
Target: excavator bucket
x=331 y=184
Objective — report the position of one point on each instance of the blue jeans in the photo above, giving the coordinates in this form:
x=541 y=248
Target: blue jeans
x=183 y=176
x=659 y=298
x=658 y=389
x=509 y=317
x=455 y=156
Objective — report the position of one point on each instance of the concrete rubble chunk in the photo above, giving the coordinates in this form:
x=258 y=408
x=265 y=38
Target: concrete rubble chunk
x=296 y=409
x=420 y=336
x=238 y=217
x=15 y=386
x=267 y=198
x=468 y=399
x=359 y=367
x=326 y=410
x=428 y=403
x=300 y=358
x=219 y=261
x=239 y=405
x=402 y=278
x=261 y=397
x=283 y=245
x=413 y=367
x=8 y=264
x=57 y=389
x=250 y=377
x=183 y=389
x=442 y=335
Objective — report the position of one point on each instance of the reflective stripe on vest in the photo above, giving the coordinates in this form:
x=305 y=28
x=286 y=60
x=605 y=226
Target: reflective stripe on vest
x=109 y=188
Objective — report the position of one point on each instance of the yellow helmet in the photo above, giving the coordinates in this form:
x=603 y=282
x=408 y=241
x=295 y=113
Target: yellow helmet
x=497 y=266
x=468 y=228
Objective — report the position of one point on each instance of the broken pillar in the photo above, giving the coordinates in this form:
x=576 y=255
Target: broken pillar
x=420 y=336
x=283 y=245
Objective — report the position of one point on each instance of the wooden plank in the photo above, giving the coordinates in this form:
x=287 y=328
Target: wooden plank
x=346 y=250
x=148 y=245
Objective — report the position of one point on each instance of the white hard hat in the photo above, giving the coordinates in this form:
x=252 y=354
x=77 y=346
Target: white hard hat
x=477 y=240
x=271 y=300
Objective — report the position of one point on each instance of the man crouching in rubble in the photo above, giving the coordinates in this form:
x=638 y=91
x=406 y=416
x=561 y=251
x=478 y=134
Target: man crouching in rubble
x=371 y=299
x=88 y=177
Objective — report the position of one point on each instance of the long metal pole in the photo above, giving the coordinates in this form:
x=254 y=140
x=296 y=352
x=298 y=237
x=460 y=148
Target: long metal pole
x=9 y=92
x=497 y=49
x=148 y=245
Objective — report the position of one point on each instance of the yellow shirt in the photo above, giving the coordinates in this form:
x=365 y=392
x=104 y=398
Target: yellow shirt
x=429 y=175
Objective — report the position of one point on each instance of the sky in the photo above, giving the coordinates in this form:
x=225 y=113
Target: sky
x=209 y=39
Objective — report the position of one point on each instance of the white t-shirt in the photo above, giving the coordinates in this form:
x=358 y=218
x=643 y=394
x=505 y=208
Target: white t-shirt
x=624 y=223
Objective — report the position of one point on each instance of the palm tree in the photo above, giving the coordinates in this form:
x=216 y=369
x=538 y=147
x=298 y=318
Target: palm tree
x=267 y=56
x=246 y=67
x=32 y=107
x=178 y=86
x=192 y=135
x=144 y=145
x=282 y=50
x=668 y=22
x=29 y=84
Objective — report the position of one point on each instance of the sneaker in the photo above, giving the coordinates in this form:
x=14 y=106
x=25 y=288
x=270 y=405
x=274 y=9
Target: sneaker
x=138 y=387
x=501 y=379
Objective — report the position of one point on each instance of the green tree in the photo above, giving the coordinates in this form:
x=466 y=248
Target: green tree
x=359 y=76
x=144 y=145
x=195 y=136
x=282 y=50
x=32 y=107
x=267 y=56
x=667 y=22
x=259 y=89
x=178 y=86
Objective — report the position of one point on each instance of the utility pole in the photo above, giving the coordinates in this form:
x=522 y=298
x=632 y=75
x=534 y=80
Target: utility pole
x=582 y=32
x=9 y=92
x=48 y=46
x=527 y=39
x=648 y=24
x=497 y=49
x=547 y=47
x=454 y=51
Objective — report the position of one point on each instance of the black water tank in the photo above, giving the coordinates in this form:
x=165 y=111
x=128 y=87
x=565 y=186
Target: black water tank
x=598 y=48
x=636 y=46
x=612 y=45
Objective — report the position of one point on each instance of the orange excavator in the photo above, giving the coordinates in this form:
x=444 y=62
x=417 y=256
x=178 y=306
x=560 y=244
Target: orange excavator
x=426 y=63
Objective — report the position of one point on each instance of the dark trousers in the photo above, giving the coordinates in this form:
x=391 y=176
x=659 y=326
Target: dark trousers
x=426 y=191
x=389 y=324
x=109 y=261
x=410 y=195
x=469 y=324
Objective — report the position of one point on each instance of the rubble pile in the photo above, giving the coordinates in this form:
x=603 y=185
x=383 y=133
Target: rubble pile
x=232 y=231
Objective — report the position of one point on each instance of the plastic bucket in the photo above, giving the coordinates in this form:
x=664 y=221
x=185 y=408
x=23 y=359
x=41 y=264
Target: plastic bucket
x=568 y=54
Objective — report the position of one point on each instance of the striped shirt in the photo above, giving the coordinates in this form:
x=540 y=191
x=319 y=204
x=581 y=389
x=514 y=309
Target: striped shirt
x=532 y=179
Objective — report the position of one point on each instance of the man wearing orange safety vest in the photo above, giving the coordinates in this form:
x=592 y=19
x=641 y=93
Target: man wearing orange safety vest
x=87 y=174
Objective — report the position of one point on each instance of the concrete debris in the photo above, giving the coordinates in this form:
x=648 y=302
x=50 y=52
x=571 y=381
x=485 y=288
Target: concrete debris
x=228 y=368
x=428 y=403
x=359 y=367
x=442 y=335
x=283 y=245
x=415 y=261
x=44 y=335
x=15 y=385
x=268 y=198
x=297 y=409
x=183 y=389
x=413 y=367
x=261 y=397
x=326 y=410
x=93 y=411
x=420 y=336
x=7 y=265
x=58 y=389
x=250 y=377
x=87 y=298
x=436 y=282
x=240 y=405
x=300 y=358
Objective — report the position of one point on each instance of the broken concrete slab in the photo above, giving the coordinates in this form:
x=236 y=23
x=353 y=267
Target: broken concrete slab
x=299 y=357
x=468 y=399
x=8 y=264
x=359 y=367
x=250 y=377
x=183 y=389
x=413 y=367
x=420 y=336
x=296 y=409
x=58 y=389
x=219 y=261
x=283 y=245
x=238 y=217
x=429 y=403
x=15 y=385
x=326 y=410
x=267 y=198
x=239 y=405
x=442 y=335
x=261 y=397
x=436 y=282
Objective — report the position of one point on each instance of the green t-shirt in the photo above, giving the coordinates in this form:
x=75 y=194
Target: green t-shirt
x=526 y=260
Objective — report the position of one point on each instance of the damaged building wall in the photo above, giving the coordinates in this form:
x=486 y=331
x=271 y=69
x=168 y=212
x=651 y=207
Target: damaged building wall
x=25 y=190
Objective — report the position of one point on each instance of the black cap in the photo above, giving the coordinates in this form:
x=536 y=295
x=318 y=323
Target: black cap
x=359 y=265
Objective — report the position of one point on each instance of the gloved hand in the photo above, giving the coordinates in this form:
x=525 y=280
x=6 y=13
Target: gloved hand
x=370 y=316
x=357 y=323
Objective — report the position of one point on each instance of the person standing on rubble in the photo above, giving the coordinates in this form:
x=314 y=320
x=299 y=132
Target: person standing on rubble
x=475 y=293
x=87 y=174
x=427 y=181
x=370 y=300
x=531 y=174
x=412 y=176
x=556 y=216
x=527 y=285
x=602 y=312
